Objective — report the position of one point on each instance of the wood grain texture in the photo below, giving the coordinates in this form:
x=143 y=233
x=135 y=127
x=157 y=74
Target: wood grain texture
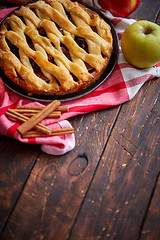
x=116 y=203
x=147 y=10
x=16 y=162
x=106 y=188
x=150 y=228
x=150 y=225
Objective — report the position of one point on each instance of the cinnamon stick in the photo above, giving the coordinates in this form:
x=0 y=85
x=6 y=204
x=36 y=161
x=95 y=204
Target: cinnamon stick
x=51 y=115
x=56 y=132
x=22 y=118
x=59 y=108
x=30 y=112
x=34 y=120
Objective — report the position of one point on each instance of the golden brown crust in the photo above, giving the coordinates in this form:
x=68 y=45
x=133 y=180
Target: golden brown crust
x=54 y=47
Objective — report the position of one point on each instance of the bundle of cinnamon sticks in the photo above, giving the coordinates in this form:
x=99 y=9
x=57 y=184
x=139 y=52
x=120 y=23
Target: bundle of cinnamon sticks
x=31 y=116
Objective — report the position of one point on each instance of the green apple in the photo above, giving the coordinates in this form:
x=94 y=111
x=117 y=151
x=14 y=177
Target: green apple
x=140 y=44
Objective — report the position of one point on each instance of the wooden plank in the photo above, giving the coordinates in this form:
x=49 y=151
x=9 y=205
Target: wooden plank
x=54 y=197
x=6 y=5
x=116 y=203
x=16 y=162
x=55 y=190
x=150 y=228
x=150 y=224
x=147 y=10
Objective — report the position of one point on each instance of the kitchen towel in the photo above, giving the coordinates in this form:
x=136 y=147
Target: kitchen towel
x=121 y=86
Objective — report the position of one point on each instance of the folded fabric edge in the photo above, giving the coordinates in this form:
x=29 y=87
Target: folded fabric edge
x=68 y=146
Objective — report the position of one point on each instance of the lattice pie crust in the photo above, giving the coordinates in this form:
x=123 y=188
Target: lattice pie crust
x=54 y=47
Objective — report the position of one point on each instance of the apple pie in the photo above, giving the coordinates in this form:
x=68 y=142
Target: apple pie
x=54 y=47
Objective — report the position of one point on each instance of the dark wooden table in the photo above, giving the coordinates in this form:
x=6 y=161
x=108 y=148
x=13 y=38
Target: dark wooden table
x=108 y=187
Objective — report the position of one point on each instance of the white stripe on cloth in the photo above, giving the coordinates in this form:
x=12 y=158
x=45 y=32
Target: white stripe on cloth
x=62 y=147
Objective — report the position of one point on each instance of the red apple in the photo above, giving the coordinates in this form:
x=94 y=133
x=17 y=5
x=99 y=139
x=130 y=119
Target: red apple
x=2 y=91
x=120 y=8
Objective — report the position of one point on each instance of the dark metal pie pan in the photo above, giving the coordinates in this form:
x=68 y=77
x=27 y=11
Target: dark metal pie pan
x=48 y=98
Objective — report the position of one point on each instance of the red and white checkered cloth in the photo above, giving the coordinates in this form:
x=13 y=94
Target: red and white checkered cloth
x=121 y=86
